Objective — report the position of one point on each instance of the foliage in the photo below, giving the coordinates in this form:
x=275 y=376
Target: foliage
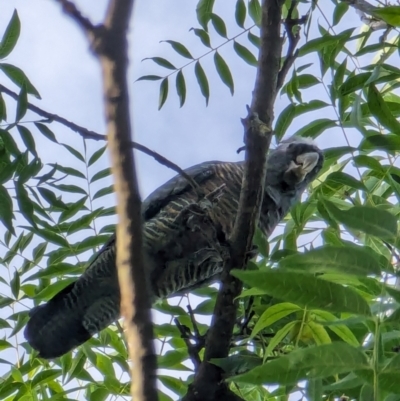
x=320 y=311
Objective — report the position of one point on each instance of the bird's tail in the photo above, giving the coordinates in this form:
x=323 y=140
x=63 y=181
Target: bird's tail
x=77 y=312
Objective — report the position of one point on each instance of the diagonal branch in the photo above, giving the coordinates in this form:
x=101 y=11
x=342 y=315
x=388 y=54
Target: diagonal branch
x=88 y=134
x=208 y=383
x=109 y=43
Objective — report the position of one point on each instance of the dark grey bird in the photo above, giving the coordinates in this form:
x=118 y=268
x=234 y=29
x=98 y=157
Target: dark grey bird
x=179 y=256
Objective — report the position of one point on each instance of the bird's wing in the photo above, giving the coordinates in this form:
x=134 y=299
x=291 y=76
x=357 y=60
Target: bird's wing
x=177 y=186
x=92 y=302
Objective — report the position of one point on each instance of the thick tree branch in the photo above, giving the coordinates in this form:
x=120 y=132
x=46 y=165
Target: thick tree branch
x=208 y=384
x=88 y=134
x=109 y=43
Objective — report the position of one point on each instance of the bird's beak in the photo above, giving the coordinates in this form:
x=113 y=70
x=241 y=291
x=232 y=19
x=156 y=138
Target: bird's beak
x=308 y=161
x=304 y=164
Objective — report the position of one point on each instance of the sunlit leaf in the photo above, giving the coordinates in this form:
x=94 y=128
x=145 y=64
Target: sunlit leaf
x=313 y=362
x=371 y=220
x=305 y=290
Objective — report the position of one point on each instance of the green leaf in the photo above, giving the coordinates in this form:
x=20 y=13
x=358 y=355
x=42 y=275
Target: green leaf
x=237 y=363
x=389 y=14
x=162 y=62
x=15 y=284
x=51 y=198
x=219 y=25
x=323 y=42
x=240 y=13
x=340 y=330
x=284 y=120
x=70 y=188
x=101 y=174
x=203 y=36
x=28 y=171
x=68 y=170
x=22 y=103
x=181 y=88
x=255 y=11
x=149 y=78
x=19 y=78
x=389 y=377
x=279 y=336
x=202 y=81
x=314 y=390
x=315 y=128
x=49 y=235
x=6 y=210
x=53 y=289
x=204 y=10
x=305 y=290
x=74 y=152
x=103 y=192
x=3 y=109
x=90 y=243
x=312 y=362
x=381 y=111
x=332 y=259
x=45 y=376
x=27 y=138
x=96 y=155
x=105 y=366
x=245 y=54
x=344 y=179
x=370 y=220
x=273 y=314
x=10 y=36
x=73 y=208
x=254 y=39
x=24 y=203
x=224 y=71
x=46 y=131
x=163 y=93
x=389 y=143
x=338 y=12
x=180 y=49
x=318 y=332
x=358 y=81
x=38 y=252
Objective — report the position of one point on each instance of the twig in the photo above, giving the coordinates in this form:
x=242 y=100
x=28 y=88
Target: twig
x=193 y=320
x=208 y=384
x=248 y=315
x=193 y=349
x=293 y=39
x=109 y=43
x=88 y=134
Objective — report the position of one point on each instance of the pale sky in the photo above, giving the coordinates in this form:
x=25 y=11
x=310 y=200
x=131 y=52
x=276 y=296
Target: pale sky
x=54 y=54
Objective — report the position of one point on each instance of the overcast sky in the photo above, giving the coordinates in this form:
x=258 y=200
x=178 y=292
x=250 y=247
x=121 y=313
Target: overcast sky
x=54 y=54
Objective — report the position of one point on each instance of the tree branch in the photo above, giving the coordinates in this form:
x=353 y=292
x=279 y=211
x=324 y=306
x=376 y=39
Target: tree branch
x=109 y=43
x=88 y=134
x=208 y=383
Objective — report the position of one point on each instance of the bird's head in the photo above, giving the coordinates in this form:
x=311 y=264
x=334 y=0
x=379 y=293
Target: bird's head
x=294 y=163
